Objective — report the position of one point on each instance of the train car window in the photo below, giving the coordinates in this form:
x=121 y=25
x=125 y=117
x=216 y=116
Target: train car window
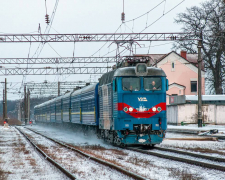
x=131 y=84
x=152 y=84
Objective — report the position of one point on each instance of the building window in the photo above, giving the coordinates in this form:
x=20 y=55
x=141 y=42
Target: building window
x=173 y=66
x=193 y=86
x=179 y=91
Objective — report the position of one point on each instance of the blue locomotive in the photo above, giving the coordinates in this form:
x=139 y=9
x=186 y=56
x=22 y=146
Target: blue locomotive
x=127 y=106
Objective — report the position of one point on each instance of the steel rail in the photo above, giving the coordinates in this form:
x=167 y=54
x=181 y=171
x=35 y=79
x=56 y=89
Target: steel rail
x=192 y=154
x=54 y=163
x=118 y=168
x=189 y=161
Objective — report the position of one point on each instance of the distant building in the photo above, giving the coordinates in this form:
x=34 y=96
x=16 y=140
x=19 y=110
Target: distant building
x=181 y=70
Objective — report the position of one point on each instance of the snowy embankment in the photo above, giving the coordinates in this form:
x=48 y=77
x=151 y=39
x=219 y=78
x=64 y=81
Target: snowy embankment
x=18 y=160
x=145 y=165
x=80 y=166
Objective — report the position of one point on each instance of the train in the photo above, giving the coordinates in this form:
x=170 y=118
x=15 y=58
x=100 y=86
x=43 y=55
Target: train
x=126 y=107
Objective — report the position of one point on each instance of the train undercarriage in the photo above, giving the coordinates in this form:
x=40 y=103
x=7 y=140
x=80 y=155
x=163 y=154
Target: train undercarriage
x=141 y=136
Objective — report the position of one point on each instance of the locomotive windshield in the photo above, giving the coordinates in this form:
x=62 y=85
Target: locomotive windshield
x=131 y=84
x=152 y=84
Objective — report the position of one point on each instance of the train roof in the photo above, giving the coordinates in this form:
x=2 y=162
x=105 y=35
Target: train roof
x=85 y=89
x=128 y=71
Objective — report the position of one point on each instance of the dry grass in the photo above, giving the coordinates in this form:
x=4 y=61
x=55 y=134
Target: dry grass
x=140 y=162
x=12 y=121
x=182 y=175
x=4 y=174
x=93 y=147
x=32 y=161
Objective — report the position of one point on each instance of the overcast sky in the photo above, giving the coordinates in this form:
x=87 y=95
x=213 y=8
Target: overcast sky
x=82 y=16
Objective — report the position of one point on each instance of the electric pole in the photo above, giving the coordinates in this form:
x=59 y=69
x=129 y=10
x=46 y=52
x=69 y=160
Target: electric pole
x=58 y=88
x=199 y=82
x=28 y=104
x=25 y=105
x=3 y=104
x=19 y=111
x=6 y=117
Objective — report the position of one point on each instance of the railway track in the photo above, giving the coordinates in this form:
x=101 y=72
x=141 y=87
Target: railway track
x=100 y=161
x=218 y=159
x=182 y=159
x=171 y=157
x=54 y=163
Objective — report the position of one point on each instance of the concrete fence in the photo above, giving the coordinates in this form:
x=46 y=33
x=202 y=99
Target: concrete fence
x=211 y=113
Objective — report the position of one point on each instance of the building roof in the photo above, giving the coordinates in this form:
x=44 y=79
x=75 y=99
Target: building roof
x=156 y=58
x=193 y=99
x=177 y=85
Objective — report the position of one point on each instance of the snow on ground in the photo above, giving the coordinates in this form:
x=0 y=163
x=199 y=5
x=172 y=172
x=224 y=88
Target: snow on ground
x=195 y=127
x=80 y=166
x=18 y=160
x=68 y=135
x=156 y=168
x=145 y=165
x=213 y=148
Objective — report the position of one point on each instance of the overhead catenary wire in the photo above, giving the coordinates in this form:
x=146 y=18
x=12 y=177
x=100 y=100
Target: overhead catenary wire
x=130 y=29
x=47 y=29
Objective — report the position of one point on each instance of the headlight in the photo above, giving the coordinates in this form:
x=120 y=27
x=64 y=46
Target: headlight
x=154 y=109
x=131 y=109
x=125 y=109
x=159 y=109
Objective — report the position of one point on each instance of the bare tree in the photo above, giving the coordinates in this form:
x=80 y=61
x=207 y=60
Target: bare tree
x=209 y=19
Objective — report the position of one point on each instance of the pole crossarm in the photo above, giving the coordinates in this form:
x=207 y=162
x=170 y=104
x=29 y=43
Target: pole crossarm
x=100 y=37
x=64 y=60
x=55 y=84
x=53 y=71
x=56 y=60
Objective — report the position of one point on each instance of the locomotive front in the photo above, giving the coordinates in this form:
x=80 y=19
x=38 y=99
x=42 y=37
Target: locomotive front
x=138 y=99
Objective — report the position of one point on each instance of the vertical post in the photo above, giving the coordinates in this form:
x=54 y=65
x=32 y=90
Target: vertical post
x=28 y=105
x=25 y=105
x=6 y=117
x=19 y=112
x=3 y=104
x=199 y=82
x=58 y=88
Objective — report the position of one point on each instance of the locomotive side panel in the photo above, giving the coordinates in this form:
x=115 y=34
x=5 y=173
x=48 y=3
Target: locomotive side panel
x=105 y=107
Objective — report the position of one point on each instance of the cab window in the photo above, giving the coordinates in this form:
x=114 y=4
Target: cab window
x=131 y=84
x=152 y=84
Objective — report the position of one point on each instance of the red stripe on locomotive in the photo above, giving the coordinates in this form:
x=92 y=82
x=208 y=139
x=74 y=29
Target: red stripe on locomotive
x=141 y=114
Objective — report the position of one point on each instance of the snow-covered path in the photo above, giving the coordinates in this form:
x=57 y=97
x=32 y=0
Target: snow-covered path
x=18 y=160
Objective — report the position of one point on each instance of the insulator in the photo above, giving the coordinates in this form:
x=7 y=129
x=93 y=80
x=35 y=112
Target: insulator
x=123 y=16
x=47 y=19
x=173 y=37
